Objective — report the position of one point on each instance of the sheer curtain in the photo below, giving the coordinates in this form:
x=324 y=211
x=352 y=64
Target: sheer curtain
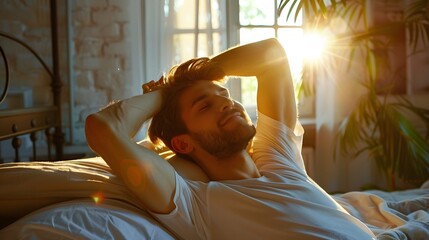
x=338 y=92
x=177 y=30
x=336 y=96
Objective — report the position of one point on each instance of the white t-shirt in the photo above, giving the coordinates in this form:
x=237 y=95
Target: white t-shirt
x=282 y=204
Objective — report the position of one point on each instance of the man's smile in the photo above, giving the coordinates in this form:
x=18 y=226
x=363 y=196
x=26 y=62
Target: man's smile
x=234 y=114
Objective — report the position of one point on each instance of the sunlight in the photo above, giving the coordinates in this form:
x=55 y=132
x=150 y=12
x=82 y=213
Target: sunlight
x=301 y=47
x=314 y=45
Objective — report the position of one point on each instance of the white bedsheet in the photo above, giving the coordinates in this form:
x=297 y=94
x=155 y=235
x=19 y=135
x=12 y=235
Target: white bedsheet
x=82 y=199
x=84 y=219
x=394 y=215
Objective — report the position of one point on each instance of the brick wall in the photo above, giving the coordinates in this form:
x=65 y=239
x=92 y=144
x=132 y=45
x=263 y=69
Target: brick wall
x=103 y=47
x=29 y=23
x=102 y=60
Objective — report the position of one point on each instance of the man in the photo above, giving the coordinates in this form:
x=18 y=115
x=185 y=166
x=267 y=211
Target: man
x=256 y=189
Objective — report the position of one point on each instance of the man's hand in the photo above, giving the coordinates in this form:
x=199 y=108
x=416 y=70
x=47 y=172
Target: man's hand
x=153 y=86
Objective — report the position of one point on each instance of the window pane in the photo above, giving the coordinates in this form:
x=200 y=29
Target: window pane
x=210 y=14
x=249 y=84
x=183 y=12
x=248 y=91
x=248 y=35
x=183 y=47
x=292 y=40
x=209 y=44
x=291 y=21
x=257 y=12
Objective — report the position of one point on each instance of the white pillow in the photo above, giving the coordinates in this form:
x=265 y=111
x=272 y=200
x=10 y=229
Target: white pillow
x=83 y=219
x=186 y=168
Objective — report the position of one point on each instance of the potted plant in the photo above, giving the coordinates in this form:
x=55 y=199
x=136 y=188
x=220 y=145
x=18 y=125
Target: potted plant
x=381 y=123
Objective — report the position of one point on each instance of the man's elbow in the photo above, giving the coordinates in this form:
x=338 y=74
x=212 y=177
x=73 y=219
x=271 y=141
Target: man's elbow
x=275 y=49
x=94 y=127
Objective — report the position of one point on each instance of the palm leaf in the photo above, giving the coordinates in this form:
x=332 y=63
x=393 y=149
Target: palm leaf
x=417 y=22
x=282 y=6
x=414 y=164
x=311 y=7
x=350 y=131
x=422 y=113
x=351 y=12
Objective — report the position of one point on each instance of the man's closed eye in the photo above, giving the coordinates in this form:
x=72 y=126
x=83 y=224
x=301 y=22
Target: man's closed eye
x=204 y=107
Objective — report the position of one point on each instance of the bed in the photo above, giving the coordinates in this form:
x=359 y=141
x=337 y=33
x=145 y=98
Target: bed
x=83 y=199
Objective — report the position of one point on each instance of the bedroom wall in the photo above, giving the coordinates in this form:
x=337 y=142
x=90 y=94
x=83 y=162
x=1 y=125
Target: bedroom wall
x=100 y=47
x=29 y=21
x=106 y=42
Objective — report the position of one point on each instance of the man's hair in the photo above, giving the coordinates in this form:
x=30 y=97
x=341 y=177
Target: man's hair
x=168 y=123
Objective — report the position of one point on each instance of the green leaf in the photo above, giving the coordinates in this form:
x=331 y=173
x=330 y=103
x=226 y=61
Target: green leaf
x=298 y=9
x=415 y=164
x=322 y=8
x=417 y=23
x=281 y=7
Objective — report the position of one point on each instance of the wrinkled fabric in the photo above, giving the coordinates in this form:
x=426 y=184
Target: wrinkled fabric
x=84 y=219
x=391 y=215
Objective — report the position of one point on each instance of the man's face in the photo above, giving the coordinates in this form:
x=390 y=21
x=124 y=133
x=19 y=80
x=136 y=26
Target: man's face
x=220 y=125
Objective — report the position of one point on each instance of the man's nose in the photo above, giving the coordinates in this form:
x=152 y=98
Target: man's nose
x=226 y=103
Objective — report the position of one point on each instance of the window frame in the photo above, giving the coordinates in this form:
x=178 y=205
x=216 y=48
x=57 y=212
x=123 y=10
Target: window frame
x=153 y=12
x=233 y=36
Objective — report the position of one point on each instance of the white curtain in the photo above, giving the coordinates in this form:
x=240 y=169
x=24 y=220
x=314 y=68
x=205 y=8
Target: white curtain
x=188 y=29
x=177 y=30
x=338 y=92
x=336 y=97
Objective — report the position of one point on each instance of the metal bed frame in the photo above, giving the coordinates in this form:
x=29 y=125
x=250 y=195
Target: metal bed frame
x=15 y=123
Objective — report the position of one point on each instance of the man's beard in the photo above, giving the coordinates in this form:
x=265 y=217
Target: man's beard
x=224 y=144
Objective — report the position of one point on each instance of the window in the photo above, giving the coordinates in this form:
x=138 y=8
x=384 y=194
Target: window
x=257 y=20
x=186 y=29
x=195 y=28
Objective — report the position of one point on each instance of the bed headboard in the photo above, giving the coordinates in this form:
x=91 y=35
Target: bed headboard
x=23 y=122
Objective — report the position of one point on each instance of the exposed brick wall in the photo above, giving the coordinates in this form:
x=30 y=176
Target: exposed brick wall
x=102 y=51
x=29 y=23
x=102 y=55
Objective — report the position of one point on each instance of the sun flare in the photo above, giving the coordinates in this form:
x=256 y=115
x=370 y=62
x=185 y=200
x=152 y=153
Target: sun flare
x=303 y=47
x=314 y=45
x=98 y=197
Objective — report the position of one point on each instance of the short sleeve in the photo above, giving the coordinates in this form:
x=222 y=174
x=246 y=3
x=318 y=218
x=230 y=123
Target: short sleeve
x=277 y=147
x=187 y=218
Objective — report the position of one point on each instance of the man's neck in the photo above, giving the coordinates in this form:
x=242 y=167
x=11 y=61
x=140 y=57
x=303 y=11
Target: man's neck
x=235 y=167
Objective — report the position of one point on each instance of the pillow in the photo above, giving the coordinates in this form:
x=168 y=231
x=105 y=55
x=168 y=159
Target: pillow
x=186 y=168
x=27 y=186
x=84 y=219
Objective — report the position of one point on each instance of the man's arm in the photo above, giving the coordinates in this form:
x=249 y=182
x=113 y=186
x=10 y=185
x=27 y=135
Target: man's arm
x=109 y=133
x=267 y=61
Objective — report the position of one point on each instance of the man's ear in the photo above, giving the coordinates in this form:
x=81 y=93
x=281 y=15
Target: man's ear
x=182 y=144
